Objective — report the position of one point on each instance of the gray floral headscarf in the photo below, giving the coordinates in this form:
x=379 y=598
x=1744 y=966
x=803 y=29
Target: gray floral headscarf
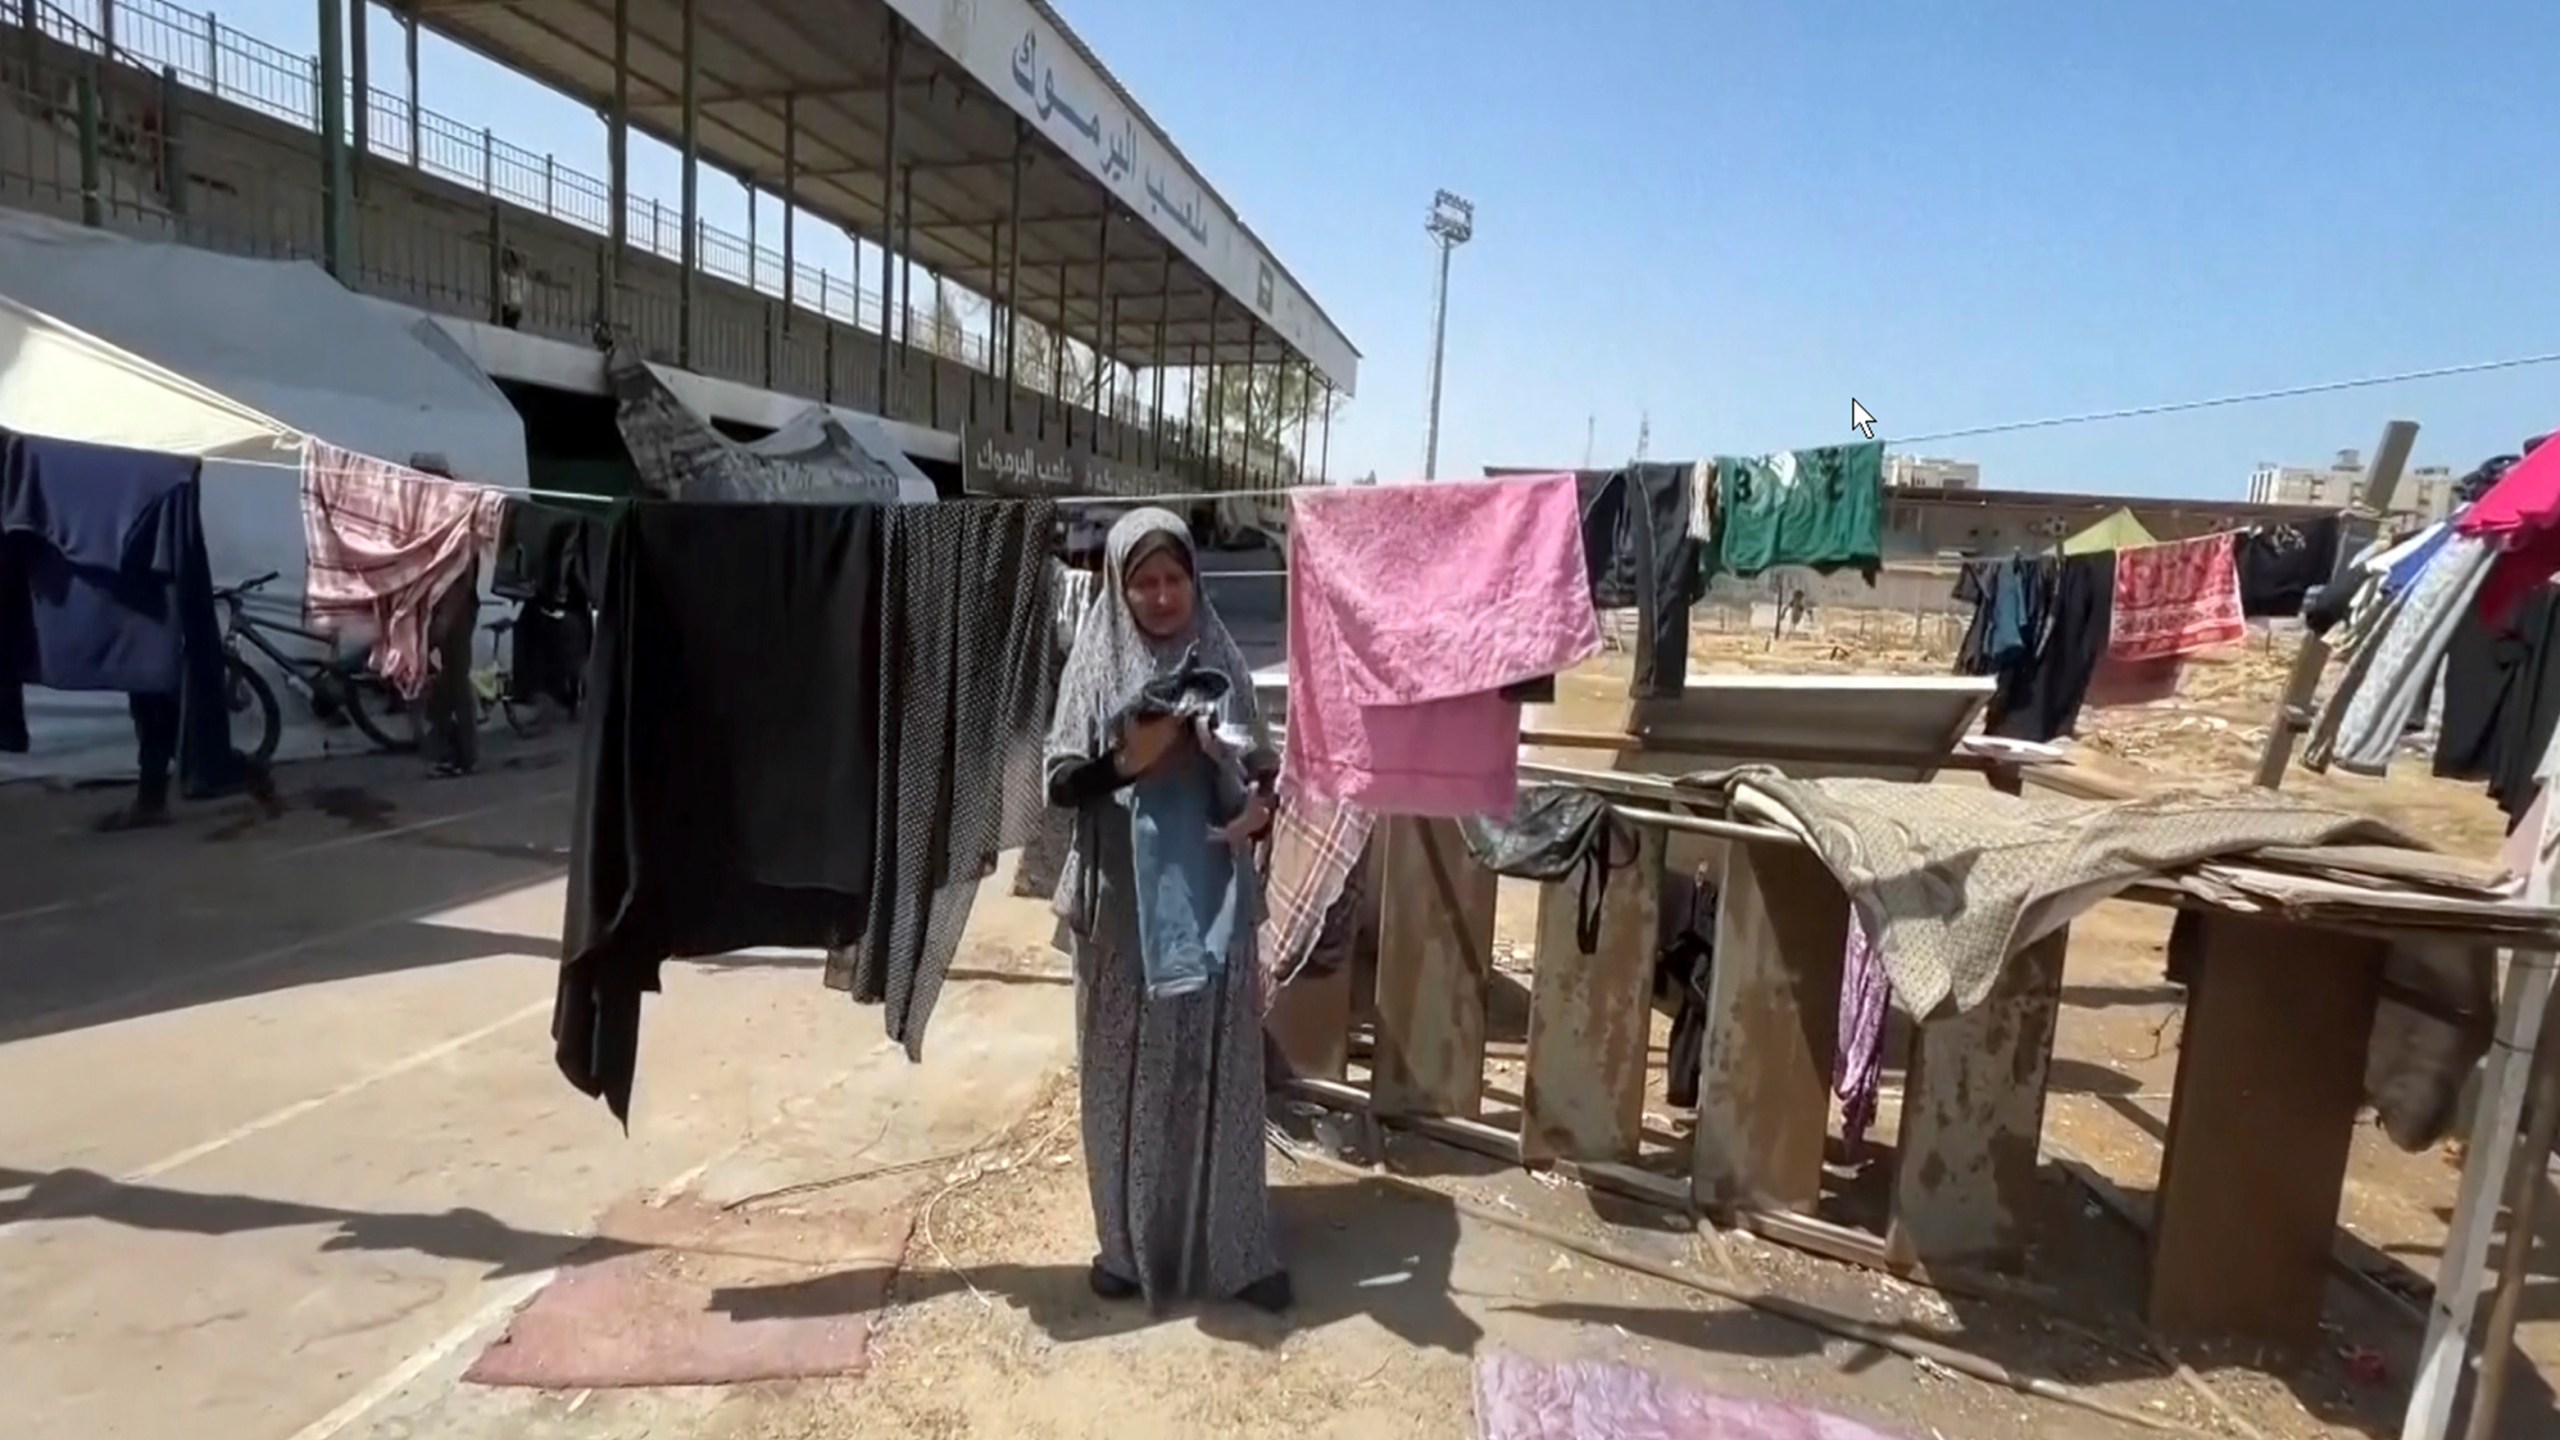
x=1113 y=659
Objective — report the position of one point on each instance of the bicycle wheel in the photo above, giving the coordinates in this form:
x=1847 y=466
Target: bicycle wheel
x=359 y=695
x=529 y=718
x=244 y=690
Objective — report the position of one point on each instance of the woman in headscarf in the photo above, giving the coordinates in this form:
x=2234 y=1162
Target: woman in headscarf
x=1170 y=1071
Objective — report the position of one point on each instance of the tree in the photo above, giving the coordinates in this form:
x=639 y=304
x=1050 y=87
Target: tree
x=1261 y=405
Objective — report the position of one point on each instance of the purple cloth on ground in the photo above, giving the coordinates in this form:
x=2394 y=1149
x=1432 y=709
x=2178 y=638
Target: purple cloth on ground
x=1522 y=1399
x=1859 y=1072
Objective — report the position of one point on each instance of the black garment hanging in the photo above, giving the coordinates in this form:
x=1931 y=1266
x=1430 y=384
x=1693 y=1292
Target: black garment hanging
x=2280 y=565
x=726 y=779
x=2502 y=701
x=966 y=689
x=2040 y=699
x=1640 y=554
x=550 y=560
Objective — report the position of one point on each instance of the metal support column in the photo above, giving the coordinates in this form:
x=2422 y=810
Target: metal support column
x=1191 y=406
x=1306 y=413
x=409 y=65
x=1101 y=289
x=1324 y=458
x=1217 y=402
x=1058 y=367
x=790 y=207
x=1013 y=269
x=93 y=210
x=617 y=145
x=689 y=58
x=1155 y=416
x=333 y=137
x=173 y=143
x=360 y=59
x=1252 y=378
x=907 y=258
x=888 y=199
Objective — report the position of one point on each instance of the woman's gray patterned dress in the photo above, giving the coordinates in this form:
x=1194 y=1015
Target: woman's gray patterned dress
x=1172 y=1088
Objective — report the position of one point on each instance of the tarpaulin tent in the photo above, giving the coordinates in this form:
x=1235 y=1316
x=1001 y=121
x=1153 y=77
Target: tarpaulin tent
x=183 y=351
x=2120 y=531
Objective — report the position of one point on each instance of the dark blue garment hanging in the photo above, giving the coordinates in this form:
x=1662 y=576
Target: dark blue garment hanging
x=105 y=586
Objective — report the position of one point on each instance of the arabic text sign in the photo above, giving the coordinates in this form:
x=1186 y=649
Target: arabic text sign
x=1002 y=463
x=1017 y=54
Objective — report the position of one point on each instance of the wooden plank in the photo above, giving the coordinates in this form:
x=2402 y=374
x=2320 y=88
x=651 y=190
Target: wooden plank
x=1773 y=1023
x=2261 y=1122
x=1591 y=1016
x=1435 y=957
x=1965 y=1187
x=1310 y=1023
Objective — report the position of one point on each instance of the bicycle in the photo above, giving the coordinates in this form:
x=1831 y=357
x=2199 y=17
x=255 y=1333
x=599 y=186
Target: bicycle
x=335 y=686
x=493 y=688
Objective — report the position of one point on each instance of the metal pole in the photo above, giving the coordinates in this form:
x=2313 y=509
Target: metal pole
x=2529 y=1172
x=1058 y=365
x=1217 y=402
x=617 y=139
x=790 y=205
x=333 y=137
x=1306 y=406
x=212 y=44
x=1252 y=375
x=888 y=198
x=92 y=202
x=1101 y=288
x=690 y=60
x=1191 y=404
x=173 y=147
x=360 y=56
x=906 y=258
x=1439 y=350
x=1164 y=312
x=107 y=27
x=1013 y=269
x=409 y=63
x=1324 y=458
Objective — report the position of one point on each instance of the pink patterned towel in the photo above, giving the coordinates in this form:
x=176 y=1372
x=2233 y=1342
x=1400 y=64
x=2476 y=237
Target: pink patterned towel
x=385 y=543
x=1410 y=606
x=1522 y=1399
x=2176 y=599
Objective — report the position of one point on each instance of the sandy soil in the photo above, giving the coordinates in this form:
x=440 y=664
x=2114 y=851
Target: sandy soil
x=992 y=1333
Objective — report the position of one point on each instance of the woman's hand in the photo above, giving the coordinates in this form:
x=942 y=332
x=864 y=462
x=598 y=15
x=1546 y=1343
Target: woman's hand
x=1144 y=743
x=1241 y=831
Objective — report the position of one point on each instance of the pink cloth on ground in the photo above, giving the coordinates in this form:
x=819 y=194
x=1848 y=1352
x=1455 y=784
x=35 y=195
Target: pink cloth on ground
x=1518 y=1398
x=1410 y=606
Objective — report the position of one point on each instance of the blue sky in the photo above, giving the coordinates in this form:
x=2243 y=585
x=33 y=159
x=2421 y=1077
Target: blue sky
x=1734 y=216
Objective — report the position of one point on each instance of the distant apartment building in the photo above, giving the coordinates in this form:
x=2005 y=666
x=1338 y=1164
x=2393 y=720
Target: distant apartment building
x=2425 y=492
x=1925 y=470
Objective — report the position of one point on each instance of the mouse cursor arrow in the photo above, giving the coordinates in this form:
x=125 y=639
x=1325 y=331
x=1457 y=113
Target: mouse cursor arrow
x=1861 y=421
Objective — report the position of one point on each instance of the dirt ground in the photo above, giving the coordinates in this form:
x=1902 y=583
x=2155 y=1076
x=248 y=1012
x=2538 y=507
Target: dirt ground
x=992 y=1333
x=988 y=1329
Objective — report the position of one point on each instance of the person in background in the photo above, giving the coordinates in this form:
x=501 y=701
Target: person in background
x=511 y=288
x=1172 y=1084
x=448 y=713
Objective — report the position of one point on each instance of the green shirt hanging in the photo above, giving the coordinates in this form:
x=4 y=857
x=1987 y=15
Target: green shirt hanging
x=1822 y=509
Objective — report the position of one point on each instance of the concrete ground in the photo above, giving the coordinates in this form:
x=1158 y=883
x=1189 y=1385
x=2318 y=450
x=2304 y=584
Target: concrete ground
x=283 y=1149
x=282 y=1128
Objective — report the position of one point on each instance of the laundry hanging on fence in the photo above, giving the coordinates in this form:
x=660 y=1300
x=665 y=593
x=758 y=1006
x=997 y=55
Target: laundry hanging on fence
x=2176 y=598
x=551 y=562
x=2518 y=517
x=1642 y=555
x=965 y=689
x=2281 y=564
x=2072 y=601
x=105 y=586
x=2391 y=664
x=1821 y=509
x=728 y=771
x=1410 y=607
x=2502 y=701
x=385 y=541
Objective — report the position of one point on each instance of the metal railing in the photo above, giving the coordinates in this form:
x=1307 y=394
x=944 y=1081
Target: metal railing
x=198 y=51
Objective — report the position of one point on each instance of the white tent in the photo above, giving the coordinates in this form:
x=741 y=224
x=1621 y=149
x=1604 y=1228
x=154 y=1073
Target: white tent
x=165 y=348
